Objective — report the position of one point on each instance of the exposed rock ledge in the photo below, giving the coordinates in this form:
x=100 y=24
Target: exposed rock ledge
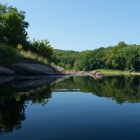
x=4 y=70
x=37 y=69
x=29 y=69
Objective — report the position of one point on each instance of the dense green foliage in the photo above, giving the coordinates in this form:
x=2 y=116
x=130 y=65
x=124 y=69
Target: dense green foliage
x=65 y=59
x=13 y=32
x=120 y=57
x=9 y=55
x=43 y=48
x=12 y=26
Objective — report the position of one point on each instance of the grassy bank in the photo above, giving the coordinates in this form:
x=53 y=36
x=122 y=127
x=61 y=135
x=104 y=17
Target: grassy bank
x=118 y=72
x=10 y=55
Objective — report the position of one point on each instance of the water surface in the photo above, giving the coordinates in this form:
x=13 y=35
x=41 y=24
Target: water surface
x=78 y=107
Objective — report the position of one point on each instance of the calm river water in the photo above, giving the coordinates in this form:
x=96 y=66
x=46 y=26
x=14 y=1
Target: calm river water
x=76 y=108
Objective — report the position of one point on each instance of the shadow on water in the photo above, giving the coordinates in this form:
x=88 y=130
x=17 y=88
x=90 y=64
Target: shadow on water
x=14 y=94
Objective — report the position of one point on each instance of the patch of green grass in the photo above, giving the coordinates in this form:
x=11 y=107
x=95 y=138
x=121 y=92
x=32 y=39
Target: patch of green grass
x=36 y=58
x=9 y=55
x=109 y=70
x=116 y=72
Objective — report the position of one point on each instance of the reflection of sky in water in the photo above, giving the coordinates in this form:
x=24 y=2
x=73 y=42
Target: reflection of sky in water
x=76 y=115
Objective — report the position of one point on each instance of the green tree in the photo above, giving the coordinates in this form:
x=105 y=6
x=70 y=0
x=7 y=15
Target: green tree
x=81 y=62
x=122 y=44
x=68 y=66
x=65 y=57
x=12 y=26
x=43 y=48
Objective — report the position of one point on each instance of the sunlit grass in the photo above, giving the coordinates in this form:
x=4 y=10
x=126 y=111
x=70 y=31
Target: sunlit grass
x=110 y=71
x=36 y=58
x=10 y=55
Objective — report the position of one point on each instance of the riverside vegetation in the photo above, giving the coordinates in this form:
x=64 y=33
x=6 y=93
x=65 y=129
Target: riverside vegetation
x=122 y=57
x=13 y=33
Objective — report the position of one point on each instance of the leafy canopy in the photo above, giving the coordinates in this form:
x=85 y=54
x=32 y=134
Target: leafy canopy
x=12 y=26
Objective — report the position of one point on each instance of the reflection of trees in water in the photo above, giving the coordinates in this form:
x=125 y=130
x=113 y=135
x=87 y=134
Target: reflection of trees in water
x=40 y=95
x=11 y=115
x=119 y=88
x=12 y=104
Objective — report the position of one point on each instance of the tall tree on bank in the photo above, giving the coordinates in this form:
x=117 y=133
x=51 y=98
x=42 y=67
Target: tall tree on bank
x=12 y=26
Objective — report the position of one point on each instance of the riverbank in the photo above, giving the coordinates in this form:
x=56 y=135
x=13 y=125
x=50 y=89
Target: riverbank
x=118 y=72
x=31 y=69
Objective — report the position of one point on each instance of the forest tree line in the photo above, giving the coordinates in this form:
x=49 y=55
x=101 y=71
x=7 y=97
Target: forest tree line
x=119 y=57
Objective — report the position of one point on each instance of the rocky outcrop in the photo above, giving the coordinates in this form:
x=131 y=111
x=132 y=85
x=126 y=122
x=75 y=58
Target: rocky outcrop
x=4 y=71
x=97 y=74
x=25 y=68
x=28 y=69
x=61 y=70
x=38 y=69
x=6 y=79
x=32 y=69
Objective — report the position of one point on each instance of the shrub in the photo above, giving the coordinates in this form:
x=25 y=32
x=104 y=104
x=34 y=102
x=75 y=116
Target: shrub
x=19 y=47
x=9 y=55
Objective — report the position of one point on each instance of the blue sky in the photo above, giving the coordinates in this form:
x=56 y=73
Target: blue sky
x=81 y=24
